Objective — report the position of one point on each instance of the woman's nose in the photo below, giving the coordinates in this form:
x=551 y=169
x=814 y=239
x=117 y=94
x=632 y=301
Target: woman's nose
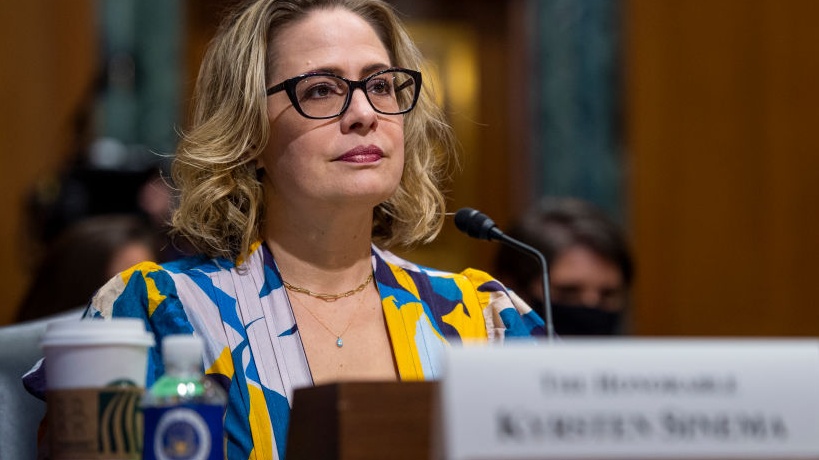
x=360 y=113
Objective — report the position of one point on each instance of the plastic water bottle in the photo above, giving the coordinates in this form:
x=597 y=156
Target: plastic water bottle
x=183 y=411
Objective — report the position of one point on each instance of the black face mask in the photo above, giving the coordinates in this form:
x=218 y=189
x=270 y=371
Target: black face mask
x=583 y=320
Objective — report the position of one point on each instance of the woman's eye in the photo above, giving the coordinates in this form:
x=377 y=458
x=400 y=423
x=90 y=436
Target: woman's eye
x=379 y=86
x=319 y=89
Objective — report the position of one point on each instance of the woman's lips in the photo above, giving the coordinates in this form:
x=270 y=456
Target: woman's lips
x=362 y=154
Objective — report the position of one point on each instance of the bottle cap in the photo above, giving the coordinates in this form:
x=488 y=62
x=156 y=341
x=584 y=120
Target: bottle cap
x=182 y=350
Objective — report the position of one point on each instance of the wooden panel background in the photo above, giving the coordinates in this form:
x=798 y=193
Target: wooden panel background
x=722 y=112
x=48 y=53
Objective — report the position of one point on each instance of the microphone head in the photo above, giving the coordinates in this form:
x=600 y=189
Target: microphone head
x=475 y=223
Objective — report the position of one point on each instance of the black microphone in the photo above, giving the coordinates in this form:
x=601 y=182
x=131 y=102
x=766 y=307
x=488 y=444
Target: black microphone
x=478 y=225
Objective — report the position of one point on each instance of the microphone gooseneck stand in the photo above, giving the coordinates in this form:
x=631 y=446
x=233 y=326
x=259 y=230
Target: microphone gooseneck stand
x=478 y=225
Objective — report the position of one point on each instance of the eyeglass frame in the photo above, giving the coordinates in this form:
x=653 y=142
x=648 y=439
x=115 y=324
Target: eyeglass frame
x=289 y=86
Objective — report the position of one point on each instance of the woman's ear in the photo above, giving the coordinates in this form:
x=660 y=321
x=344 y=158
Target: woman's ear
x=257 y=162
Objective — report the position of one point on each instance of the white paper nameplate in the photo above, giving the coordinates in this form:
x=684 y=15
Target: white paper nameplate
x=632 y=399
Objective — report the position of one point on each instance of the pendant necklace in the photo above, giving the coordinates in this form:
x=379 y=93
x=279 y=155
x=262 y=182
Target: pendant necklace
x=333 y=297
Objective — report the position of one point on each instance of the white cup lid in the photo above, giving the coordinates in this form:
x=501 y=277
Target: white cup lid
x=115 y=331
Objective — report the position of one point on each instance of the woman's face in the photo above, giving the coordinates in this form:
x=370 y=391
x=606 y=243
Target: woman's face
x=355 y=159
x=579 y=276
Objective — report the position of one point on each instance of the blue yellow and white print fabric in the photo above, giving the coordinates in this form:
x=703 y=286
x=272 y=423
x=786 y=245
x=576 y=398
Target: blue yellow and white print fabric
x=252 y=342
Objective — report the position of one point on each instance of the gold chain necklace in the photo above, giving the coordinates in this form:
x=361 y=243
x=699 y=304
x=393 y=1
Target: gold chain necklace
x=328 y=297
x=338 y=336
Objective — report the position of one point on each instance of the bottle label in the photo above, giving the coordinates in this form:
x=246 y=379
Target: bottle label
x=185 y=432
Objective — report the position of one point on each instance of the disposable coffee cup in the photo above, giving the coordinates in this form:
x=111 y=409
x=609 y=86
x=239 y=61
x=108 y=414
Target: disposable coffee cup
x=95 y=377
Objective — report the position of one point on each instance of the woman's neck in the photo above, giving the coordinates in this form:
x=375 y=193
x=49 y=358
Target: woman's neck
x=324 y=252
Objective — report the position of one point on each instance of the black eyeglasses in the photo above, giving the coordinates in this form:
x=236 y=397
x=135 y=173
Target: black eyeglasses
x=322 y=95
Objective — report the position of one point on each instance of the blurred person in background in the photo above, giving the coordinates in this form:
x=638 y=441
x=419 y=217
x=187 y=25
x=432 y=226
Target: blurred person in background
x=83 y=257
x=590 y=265
x=85 y=188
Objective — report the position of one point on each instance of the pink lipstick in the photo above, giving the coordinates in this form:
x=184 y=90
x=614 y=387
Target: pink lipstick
x=362 y=154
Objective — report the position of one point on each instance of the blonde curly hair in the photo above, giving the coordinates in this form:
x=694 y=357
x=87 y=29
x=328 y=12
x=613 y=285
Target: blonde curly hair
x=221 y=206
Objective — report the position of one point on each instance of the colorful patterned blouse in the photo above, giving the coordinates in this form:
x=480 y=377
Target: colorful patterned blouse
x=252 y=344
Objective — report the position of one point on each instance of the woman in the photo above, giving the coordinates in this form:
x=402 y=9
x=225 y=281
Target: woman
x=590 y=265
x=313 y=149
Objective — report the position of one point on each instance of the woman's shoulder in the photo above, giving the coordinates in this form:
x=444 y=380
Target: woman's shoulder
x=183 y=265
x=151 y=279
x=505 y=314
x=471 y=276
x=196 y=267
